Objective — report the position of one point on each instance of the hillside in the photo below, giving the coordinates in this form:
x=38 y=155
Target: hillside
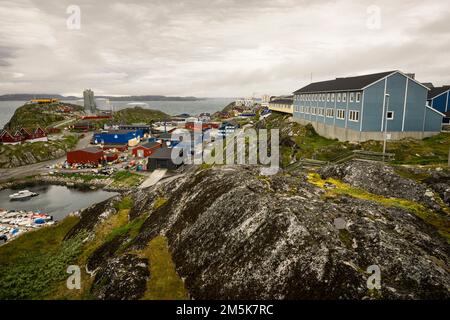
x=298 y=141
x=139 y=115
x=32 y=115
x=229 y=233
x=12 y=156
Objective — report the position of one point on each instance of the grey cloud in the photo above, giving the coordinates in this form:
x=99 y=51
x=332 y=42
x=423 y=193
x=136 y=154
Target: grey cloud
x=214 y=48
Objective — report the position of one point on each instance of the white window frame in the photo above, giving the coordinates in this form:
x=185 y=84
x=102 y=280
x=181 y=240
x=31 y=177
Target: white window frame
x=338 y=114
x=387 y=115
x=330 y=113
x=353 y=115
x=352 y=97
x=332 y=97
x=339 y=95
x=344 y=97
x=328 y=97
x=358 y=97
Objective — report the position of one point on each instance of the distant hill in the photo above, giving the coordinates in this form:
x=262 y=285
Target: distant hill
x=139 y=115
x=28 y=96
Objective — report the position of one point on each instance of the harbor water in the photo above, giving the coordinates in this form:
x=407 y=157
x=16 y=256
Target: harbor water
x=57 y=201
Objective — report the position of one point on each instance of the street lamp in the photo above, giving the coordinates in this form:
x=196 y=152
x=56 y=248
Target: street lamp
x=387 y=96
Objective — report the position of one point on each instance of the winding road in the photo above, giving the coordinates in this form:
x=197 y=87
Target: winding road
x=37 y=168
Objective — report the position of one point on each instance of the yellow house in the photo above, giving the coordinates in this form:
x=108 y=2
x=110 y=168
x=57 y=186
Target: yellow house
x=284 y=105
x=44 y=101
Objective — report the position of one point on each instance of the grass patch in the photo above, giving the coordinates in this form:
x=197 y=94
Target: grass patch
x=441 y=223
x=298 y=141
x=164 y=282
x=159 y=202
x=126 y=203
x=85 y=177
x=35 y=263
x=126 y=179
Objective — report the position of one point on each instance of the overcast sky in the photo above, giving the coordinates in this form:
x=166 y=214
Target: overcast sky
x=216 y=48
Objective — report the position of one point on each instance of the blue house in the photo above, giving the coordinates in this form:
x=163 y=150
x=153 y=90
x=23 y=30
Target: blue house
x=361 y=108
x=439 y=99
x=116 y=137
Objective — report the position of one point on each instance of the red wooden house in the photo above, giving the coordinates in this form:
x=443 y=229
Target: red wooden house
x=91 y=155
x=146 y=149
x=30 y=135
x=7 y=138
x=205 y=125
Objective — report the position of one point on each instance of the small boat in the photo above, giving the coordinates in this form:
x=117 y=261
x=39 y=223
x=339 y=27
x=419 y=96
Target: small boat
x=23 y=194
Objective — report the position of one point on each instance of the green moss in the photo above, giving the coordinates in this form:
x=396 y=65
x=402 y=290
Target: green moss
x=441 y=223
x=346 y=238
x=124 y=204
x=159 y=202
x=126 y=179
x=164 y=282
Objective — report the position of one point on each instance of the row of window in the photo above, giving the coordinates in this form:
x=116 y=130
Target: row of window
x=278 y=105
x=339 y=97
x=329 y=112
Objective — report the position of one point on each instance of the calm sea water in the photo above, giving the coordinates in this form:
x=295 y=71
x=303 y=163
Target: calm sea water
x=57 y=201
x=211 y=105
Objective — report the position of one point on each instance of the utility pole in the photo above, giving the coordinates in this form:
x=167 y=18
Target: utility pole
x=385 y=124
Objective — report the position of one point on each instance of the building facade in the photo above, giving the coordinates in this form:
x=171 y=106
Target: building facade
x=89 y=101
x=146 y=149
x=117 y=137
x=282 y=104
x=364 y=107
x=439 y=99
x=90 y=155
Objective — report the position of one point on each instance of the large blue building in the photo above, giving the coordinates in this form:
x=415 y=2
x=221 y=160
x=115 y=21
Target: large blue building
x=439 y=99
x=117 y=137
x=352 y=109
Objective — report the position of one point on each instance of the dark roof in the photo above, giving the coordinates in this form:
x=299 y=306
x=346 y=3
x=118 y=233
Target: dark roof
x=282 y=101
x=428 y=85
x=163 y=153
x=343 y=84
x=165 y=135
x=434 y=92
x=150 y=144
x=92 y=150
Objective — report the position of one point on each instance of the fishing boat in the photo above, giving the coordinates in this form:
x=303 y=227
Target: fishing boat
x=21 y=195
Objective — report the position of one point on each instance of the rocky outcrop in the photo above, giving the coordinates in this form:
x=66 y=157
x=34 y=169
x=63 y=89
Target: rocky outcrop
x=121 y=278
x=380 y=179
x=234 y=234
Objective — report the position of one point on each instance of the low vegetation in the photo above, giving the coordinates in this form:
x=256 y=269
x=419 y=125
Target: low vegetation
x=126 y=179
x=335 y=187
x=28 y=153
x=32 y=115
x=32 y=265
x=164 y=282
x=139 y=115
x=298 y=141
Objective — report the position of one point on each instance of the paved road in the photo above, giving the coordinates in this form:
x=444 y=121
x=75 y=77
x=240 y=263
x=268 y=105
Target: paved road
x=37 y=168
x=153 y=179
